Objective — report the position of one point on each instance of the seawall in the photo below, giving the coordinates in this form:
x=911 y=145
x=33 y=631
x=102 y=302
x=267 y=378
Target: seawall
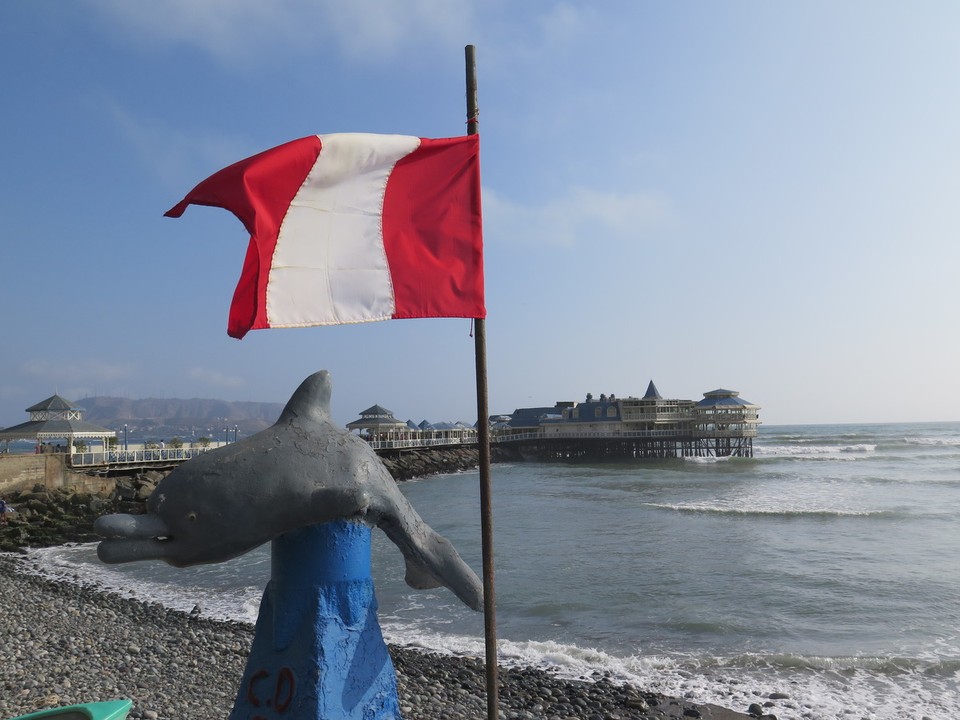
x=407 y=464
x=55 y=505
x=23 y=472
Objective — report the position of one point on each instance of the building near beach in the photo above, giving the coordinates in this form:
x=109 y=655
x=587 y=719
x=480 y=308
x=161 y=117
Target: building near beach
x=377 y=420
x=53 y=420
x=384 y=431
x=724 y=416
x=721 y=424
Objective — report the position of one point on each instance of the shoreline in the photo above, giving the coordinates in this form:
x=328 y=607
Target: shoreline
x=64 y=643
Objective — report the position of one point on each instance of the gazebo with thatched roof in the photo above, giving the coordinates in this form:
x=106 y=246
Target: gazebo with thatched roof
x=56 y=419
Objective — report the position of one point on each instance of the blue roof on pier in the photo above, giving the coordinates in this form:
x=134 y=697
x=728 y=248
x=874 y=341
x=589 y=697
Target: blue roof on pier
x=531 y=417
x=723 y=398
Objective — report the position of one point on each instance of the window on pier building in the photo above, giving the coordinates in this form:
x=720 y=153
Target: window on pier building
x=612 y=411
x=596 y=412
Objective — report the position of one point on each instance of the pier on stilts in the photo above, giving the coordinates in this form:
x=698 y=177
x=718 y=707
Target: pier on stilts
x=722 y=424
x=611 y=428
x=533 y=446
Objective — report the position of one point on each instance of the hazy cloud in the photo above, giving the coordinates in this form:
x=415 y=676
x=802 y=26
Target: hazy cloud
x=11 y=391
x=74 y=378
x=235 y=30
x=74 y=372
x=171 y=154
x=563 y=22
x=214 y=378
x=582 y=213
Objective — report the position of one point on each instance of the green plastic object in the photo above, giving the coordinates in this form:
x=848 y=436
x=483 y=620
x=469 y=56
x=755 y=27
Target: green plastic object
x=112 y=710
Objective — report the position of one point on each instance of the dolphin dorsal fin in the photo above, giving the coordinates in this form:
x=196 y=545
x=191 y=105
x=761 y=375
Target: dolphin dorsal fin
x=311 y=400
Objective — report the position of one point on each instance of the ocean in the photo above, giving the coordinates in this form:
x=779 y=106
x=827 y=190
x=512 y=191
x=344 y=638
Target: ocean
x=825 y=569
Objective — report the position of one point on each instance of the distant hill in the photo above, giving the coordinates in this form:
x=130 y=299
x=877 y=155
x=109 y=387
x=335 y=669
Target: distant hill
x=166 y=418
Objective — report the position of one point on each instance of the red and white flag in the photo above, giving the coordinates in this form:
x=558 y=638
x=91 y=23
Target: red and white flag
x=351 y=227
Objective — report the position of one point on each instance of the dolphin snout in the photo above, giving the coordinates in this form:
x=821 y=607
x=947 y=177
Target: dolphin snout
x=131 y=526
x=132 y=537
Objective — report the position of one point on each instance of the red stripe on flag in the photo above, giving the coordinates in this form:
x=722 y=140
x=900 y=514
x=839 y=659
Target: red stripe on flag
x=432 y=230
x=258 y=190
x=431 y=223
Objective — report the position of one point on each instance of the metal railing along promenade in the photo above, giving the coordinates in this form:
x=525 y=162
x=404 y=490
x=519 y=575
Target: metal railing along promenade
x=168 y=456
x=416 y=443
x=122 y=458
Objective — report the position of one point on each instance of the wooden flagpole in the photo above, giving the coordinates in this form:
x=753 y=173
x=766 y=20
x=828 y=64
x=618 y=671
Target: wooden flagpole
x=483 y=441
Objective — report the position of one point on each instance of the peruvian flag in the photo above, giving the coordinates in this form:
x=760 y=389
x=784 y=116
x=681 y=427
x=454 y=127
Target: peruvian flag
x=353 y=227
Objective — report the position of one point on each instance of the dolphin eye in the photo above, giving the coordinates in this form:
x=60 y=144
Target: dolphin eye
x=192 y=516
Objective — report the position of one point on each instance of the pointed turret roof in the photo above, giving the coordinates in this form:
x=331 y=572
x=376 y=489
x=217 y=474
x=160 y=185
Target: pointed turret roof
x=54 y=403
x=376 y=411
x=652 y=392
x=376 y=417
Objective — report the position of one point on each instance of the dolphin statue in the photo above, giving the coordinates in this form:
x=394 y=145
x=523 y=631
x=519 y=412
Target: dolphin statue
x=301 y=471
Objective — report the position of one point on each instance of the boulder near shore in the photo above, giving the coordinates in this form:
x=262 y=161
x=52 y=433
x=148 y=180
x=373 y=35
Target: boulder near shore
x=42 y=517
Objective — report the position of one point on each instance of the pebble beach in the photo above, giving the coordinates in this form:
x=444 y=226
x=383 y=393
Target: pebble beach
x=62 y=644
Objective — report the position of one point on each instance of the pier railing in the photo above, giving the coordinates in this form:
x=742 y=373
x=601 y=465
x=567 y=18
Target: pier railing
x=121 y=458
x=414 y=443
x=628 y=434
x=747 y=432
x=173 y=456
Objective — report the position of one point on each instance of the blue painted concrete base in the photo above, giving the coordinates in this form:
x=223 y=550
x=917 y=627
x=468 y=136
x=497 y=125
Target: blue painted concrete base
x=318 y=653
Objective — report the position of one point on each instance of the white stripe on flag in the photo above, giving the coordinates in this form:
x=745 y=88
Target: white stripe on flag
x=329 y=265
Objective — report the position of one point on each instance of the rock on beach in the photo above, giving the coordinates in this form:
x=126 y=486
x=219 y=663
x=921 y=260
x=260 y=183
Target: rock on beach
x=44 y=517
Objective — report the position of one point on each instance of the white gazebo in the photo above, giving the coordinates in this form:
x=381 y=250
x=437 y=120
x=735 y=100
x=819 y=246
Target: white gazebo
x=57 y=419
x=377 y=421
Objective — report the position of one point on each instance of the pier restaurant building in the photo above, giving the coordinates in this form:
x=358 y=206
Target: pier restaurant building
x=721 y=424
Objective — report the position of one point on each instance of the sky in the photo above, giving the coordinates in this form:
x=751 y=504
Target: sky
x=747 y=195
